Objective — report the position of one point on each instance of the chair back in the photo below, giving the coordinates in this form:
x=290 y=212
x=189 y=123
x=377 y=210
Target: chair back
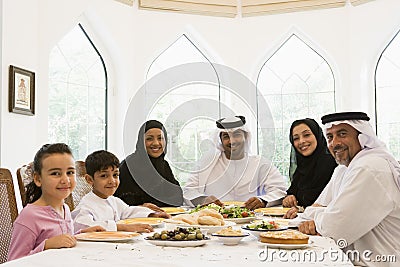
x=24 y=176
x=8 y=211
x=82 y=187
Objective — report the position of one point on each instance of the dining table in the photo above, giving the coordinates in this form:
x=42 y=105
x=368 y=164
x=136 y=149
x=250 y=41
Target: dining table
x=137 y=251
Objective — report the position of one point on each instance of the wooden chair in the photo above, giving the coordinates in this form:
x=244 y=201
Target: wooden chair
x=82 y=187
x=8 y=211
x=24 y=174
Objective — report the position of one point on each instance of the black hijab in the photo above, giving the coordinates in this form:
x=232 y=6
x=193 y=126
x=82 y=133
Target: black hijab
x=311 y=173
x=144 y=179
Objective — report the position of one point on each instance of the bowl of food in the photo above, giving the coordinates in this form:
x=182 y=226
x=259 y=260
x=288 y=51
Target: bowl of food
x=259 y=227
x=229 y=236
x=179 y=237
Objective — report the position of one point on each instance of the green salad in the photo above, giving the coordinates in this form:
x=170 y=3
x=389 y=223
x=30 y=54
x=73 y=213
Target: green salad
x=228 y=212
x=264 y=225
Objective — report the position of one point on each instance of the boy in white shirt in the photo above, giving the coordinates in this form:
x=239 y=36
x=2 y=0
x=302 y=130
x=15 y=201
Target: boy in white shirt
x=100 y=207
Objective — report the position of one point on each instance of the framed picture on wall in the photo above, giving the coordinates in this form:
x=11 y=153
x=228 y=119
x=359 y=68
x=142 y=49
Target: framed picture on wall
x=21 y=91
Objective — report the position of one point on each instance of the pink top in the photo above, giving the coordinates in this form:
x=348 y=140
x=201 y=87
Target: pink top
x=33 y=226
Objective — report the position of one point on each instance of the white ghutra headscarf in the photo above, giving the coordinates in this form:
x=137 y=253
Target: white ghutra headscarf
x=229 y=125
x=370 y=144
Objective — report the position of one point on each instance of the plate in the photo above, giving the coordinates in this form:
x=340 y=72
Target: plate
x=283 y=222
x=174 y=243
x=287 y=246
x=280 y=221
x=106 y=236
x=209 y=228
x=265 y=230
x=174 y=210
x=233 y=203
x=240 y=220
x=273 y=211
x=147 y=220
x=257 y=232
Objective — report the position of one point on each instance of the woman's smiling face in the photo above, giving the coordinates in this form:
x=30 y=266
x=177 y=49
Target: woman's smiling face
x=304 y=140
x=154 y=142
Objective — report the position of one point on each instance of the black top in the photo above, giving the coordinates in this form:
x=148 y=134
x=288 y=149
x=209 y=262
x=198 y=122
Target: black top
x=312 y=173
x=340 y=116
x=144 y=179
x=233 y=122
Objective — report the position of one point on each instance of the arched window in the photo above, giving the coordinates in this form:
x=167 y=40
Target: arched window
x=296 y=82
x=387 y=88
x=77 y=94
x=186 y=130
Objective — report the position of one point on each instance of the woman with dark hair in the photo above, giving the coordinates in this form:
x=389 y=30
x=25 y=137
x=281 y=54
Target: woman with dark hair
x=145 y=176
x=313 y=165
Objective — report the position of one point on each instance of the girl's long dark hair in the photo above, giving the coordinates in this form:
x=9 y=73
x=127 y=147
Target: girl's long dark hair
x=33 y=192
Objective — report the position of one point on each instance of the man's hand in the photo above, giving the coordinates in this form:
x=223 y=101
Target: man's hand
x=254 y=203
x=290 y=214
x=212 y=199
x=308 y=227
x=289 y=201
x=159 y=214
x=152 y=207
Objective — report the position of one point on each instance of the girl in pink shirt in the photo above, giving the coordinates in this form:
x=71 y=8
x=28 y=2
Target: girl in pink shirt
x=46 y=222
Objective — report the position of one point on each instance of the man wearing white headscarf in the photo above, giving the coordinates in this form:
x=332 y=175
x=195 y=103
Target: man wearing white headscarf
x=363 y=197
x=233 y=174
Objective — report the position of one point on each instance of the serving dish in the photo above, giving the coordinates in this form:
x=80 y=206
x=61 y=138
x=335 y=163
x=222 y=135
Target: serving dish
x=286 y=246
x=107 y=236
x=153 y=221
x=174 y=210
x=257 y=232
x=176 y=243
x=273 y=211
x=240 y=220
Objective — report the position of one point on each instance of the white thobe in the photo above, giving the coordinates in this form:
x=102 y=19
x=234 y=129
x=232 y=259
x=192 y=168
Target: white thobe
x=237 y=180
x=365 y=209
x=93 y=210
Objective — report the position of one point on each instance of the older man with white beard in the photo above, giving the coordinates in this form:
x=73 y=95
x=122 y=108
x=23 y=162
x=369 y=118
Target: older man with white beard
x=365 y=207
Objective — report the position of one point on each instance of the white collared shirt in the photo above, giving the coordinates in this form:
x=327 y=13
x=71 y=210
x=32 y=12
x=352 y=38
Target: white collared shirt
x=93 y=210
x=237 y=180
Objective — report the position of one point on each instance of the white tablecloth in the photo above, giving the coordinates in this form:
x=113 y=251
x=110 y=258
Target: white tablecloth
x=138 y=252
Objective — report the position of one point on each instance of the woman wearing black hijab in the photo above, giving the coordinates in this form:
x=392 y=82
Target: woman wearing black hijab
x=313 y=165
x=145 y=176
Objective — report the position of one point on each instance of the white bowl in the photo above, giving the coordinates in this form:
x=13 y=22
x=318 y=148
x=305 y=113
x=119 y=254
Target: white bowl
x=230 y=240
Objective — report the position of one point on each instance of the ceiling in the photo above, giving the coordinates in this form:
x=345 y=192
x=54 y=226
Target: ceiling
x=242 y=8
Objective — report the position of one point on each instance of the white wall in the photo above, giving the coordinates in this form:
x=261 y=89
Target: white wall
x=351 y=39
